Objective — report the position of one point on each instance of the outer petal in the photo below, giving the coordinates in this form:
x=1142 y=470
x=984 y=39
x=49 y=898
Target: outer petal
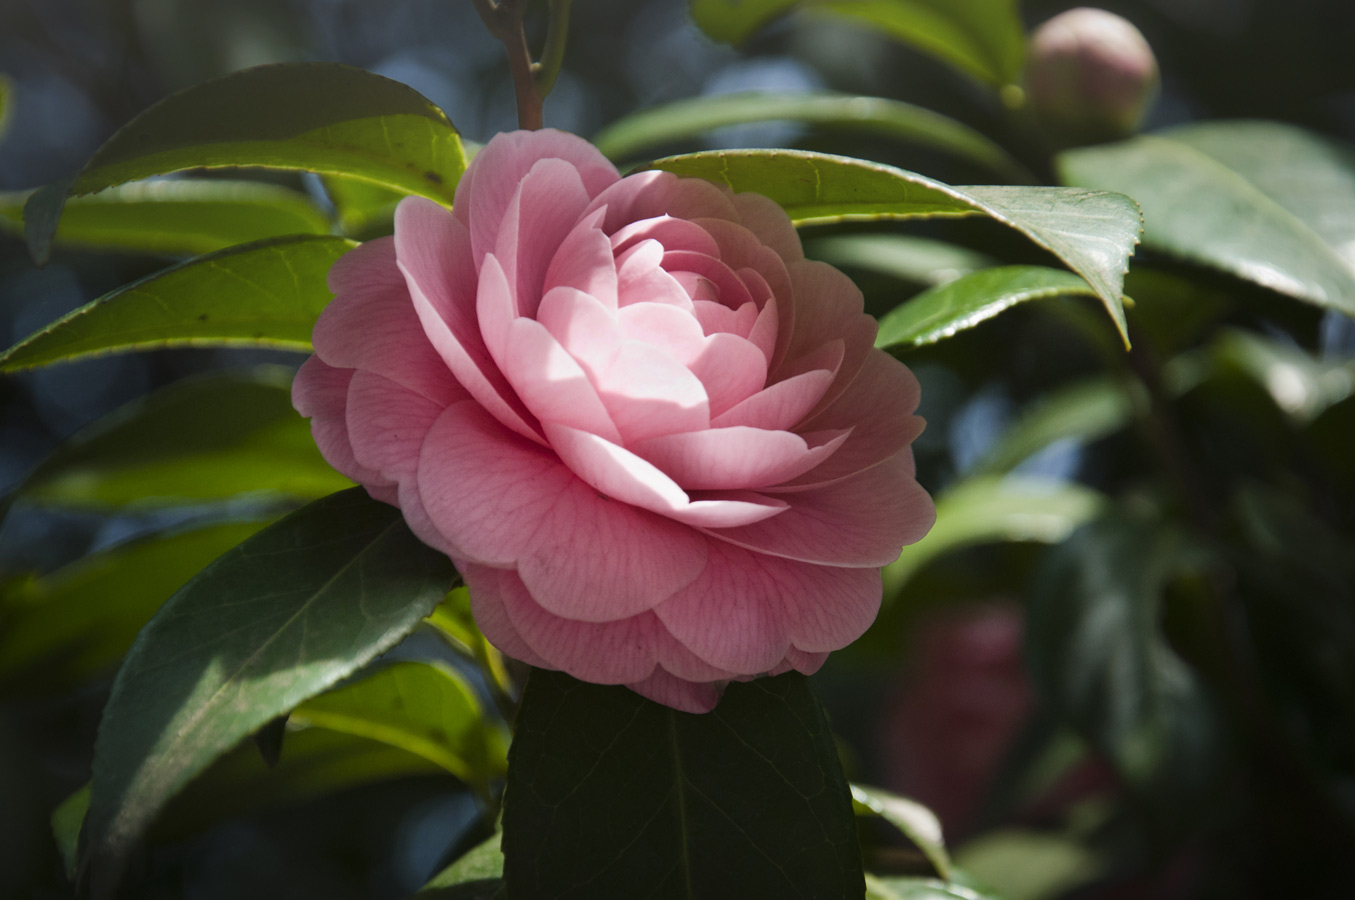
x=489 y=183
x=684 y=696
x=434 y=254
x=502 y=501
x=747 y=610
x=764 y=218
x=828 y=304
x=646 y=195
x=320 y=392
x=387 y=424
x=860 y=521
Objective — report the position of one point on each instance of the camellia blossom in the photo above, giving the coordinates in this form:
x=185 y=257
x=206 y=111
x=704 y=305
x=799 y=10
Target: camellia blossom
x=657 y=442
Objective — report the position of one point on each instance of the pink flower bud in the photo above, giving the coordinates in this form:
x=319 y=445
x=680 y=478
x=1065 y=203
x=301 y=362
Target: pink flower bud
x=1090 y=76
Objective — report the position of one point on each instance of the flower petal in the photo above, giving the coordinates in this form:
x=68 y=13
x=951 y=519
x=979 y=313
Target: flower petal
x=503 y=501
x=542 y=213
x=387 y=424
x=737 y=458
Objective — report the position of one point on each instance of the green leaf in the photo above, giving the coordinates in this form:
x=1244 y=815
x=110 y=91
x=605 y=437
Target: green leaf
x=314 y=117
x=1302 y=386
x=608 y=791
x=878 y=888
x=988 y=509
x=983 y=38
x=178 y=217
x=1024 y=864
x=66 y=821
x=480 y=869
x=1264 y=202
x=6 y=104
x=1099 y=658
x=913 y=259
x=947 y=309
x=365 y=210
x=894 y=119
x=270 y=624
x=1083 y=410
x=918 y=823
x=201 y=439
x=1094 y=232
x=425 y=708
x=266 y=294
x=77 y=622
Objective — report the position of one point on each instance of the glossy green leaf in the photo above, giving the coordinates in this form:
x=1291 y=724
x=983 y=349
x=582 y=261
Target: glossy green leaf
x=1264 y=202
x=1301 y=385
x=917 y=260
x=1083 y=410
x=1093 y=232
x=686 y=119
x=265 y=294
x=917 y=823
x=206 y=438
x=988 y=509
x=478 y=873
x=365 y=210
x=314 y=762
x=59 y=629
x=607 y=791
x=1025 y=864
x=427 y=709
x=984 y=38
x=178 y=217
x=454 y=621
x=282 y=617
x=314 y=117
x=1099 y=658
x=947 y=309
x=879 y=888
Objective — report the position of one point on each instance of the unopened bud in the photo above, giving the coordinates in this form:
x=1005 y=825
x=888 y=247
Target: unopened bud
x=1090 y=76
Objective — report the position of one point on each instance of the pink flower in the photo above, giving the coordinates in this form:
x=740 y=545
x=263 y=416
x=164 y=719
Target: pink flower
x=656 y=440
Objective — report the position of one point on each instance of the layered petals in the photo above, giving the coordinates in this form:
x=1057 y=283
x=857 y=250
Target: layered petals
x=656 y=441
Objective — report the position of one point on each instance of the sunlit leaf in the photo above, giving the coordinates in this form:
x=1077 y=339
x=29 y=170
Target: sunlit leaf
x=685 y=119
x=981 y=37
x=987 y=509
x=176 y=217
x=1093 y=232
x=265 y=294
x=6 y=104
x=917 y=260
x=314 y=117
x=78 y=621
x=478 y=873
x=365 y=210
x=1083 y=410
x=1025 y=864
x=918 y=823
x=607 y=791
x=282 y=617
x=205 y=438
x=1301 y=385
x=880 y=888
x=1265 y=202
x=427 y=709
x=947 y=309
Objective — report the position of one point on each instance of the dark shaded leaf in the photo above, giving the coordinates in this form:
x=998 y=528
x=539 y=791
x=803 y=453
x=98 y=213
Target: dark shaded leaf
x=265 y=294
x=894 y=119
x=77 y=622
x=1093 y=232
x=608 y=791
x=207 y=438
x=478 y=873
x=314 y=117
x=270 y=624
x=983 y=38
x=1099 y=657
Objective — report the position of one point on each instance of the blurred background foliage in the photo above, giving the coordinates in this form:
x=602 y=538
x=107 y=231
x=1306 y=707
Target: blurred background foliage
x=1121 y=667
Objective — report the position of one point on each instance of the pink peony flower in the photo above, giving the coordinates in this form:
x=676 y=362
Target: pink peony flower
x=656 y=440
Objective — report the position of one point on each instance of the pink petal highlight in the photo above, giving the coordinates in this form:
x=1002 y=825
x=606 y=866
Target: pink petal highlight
x=738 y=458
x=781 y=406
x=730 y=369
x=542 y=213
x=585 y=262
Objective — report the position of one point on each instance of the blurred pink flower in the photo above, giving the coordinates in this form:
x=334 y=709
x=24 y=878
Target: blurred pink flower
x=656 y=440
